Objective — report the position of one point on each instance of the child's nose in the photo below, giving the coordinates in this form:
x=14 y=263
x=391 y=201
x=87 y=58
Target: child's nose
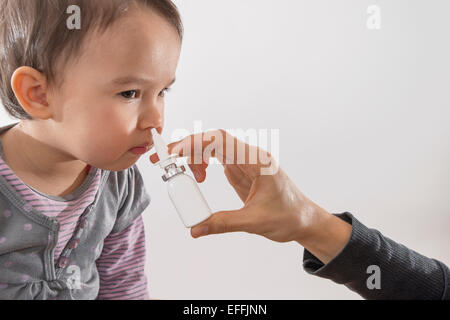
x=152 y=114
x=152 y=117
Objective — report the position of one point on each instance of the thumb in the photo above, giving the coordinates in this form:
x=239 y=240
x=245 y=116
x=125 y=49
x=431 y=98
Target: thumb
x=222 y=222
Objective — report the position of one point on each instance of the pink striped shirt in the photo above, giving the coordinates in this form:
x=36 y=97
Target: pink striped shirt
x=122 y=261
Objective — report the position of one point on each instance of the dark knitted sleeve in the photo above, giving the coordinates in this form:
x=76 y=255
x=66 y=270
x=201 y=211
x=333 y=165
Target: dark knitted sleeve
x=403 y=273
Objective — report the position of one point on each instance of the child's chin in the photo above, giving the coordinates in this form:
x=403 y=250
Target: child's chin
x=123 y=165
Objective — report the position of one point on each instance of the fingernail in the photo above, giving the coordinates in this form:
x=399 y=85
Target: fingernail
x=154 y=158
x=200 y=231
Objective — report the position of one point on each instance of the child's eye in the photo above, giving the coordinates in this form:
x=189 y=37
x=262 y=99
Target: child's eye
x=162 y=94
x=131 y=94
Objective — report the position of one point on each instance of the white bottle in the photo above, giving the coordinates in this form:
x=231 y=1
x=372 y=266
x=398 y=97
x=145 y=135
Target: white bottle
x=183 y=189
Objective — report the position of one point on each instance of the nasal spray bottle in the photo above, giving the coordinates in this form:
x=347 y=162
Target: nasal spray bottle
x=183 y=189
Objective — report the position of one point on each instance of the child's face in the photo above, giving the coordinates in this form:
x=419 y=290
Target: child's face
x=100 y=112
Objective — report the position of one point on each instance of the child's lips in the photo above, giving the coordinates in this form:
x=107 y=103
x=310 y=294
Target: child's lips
x=145 y=144
x=139 y=150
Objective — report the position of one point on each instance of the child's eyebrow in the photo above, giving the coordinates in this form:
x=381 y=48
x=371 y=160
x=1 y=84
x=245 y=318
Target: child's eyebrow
x=134 y=80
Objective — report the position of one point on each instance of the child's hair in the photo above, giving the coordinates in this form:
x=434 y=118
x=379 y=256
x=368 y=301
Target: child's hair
x=34 y=33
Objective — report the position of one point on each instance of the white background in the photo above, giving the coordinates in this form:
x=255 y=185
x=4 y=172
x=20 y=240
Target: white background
x=364 y=127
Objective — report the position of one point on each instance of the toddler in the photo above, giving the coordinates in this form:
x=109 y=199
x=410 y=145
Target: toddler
x=86 y=80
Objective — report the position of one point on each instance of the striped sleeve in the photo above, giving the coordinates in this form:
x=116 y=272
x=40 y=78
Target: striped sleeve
x=121 y=265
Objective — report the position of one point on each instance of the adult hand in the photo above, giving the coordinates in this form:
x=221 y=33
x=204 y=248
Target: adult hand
x=273 y=205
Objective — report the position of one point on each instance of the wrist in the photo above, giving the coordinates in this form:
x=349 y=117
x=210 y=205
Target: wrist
x=313 y=219
x=325 y=235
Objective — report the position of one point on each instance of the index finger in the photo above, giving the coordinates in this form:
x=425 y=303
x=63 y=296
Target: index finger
x=229 y=150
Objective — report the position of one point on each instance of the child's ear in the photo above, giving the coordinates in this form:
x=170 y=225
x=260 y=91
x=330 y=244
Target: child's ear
x=30 y=88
